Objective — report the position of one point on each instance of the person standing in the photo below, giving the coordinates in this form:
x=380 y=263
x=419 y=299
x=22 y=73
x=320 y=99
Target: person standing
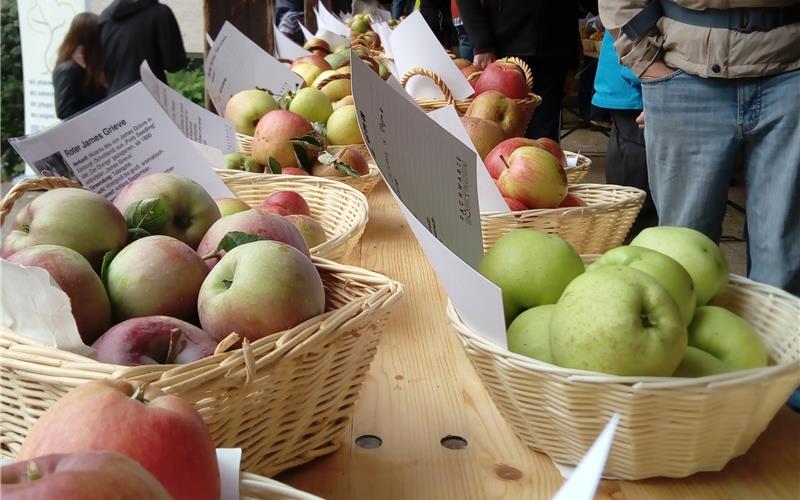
x=133 y=31
x=78 y=78
x=464 y=47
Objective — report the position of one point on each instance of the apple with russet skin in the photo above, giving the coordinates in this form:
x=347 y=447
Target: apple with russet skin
x=155 y=276
x=307 y=71
x=529 y=333
x=94 y=475
x=314 y=59
x=505 y=77
x=241 y=161
x=534 y=177
x=153 y=340
x=294 y=171
x=493 y=105
x=267 y=225
x=75 y=277
x=514 y=205
x=618 y=320
x=343 y=127
x=273 y=135
x=258 y=289
x=484 y=134
x=245 y=108
x=228 y=206
x=554 y=149
x=494 y=160
x=728 y=338
x=189 y=209
x=292 y=201
x=310 y=228
x=572 y=200
x=160 y=431
x=696 y=252
x=311 y=104
x=699 y=363
x=531 y=269
x=70 y=217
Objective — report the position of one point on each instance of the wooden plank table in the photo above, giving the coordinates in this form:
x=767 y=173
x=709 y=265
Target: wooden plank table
x=421 y=388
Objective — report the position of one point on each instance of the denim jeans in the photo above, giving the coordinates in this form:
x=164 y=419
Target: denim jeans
x=464 y=46
x=696 y=127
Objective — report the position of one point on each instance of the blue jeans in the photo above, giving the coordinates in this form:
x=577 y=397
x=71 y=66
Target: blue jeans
x=464 y=46
x=695 y=129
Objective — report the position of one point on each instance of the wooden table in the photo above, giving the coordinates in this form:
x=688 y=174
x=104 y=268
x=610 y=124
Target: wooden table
x=421 y=388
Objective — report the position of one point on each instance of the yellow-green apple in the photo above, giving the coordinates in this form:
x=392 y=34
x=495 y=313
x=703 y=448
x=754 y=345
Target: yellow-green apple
x=529 y=333
x=572 y=200
x=484 y=134
x=334 y=89
x=293 y=171
x=695 y=251
x=307 y=71
x=493 y=105
x=75 y=276
x=311 y=104
x=514 y=205
x=155 y=276
x=246 y=107
x=160 y=431
x=273 y=135
x=554 y=149
x=343 y=126
x=153 y=340
x=310 y=229
x=183 y=210
x=618 y=320
x=344 y=101
x=494 y=160
x=727 y=337
x=359 y=26
x=344 y=70
x=292 y=201
x=699 y=363
x=241 y=161
x=531 y=269
x=269 y=226
x=383 y=70
x=666 y=270
x=314 y=59
x=534 y=177
x=337 y=59
x=258 y=289
x=94 y=475
x=505 y=77
x=228 y=206
x=317 y=46
x=71 y=217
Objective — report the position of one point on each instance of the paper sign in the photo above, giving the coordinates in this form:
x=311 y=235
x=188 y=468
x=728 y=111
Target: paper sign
x=236 y=63
x=209 y=40
x=582 y=484
x=285 y=47
x=333 y=39
x=414 y=44
x=384 y=33
x=210 y=154
x=229 y=462
x=197 y=123
x=328 y=21
x=308 y=35
x=429 y=169
x=489 y=197
x=120 y=139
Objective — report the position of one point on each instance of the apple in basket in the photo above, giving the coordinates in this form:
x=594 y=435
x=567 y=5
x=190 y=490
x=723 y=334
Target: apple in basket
x=273 y=135
x=534 y=177
x=87 y=475
x=572 y=200
x=484 y=134
x=75 y=276
x=340 y=162
x=314 y=59
x=335 y=89
x=246 y=107
x=554 y=149
x=514 y=205
x=291 y=201
x=317 y=46
x=310 y=228
x=343 y=127
x=493 y=105
x=529 y=333
x=260 y=288
x=228 y=206
x=160 y=431
x=503 y=76
x=309 y=72
x=494 y=161
x=240 y=161
x=294 y=171
x=168 y=204
x=311 y=104
x=71 y=217
x=154 y=340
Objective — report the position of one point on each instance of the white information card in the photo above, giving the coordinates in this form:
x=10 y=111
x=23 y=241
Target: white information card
x=285 y=48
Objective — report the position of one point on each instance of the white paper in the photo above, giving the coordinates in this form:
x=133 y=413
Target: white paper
x=211 y=155
x=572 y=161
x=285 y=47
x=120 y=139
x=414 y=44
x=333 y=39
x=429 y=169
x=307 y=34
x=489 y=197
x=236 y=63
x=196 y=122
x=229 y=461
x=384 y=33
x=209 y=40
x=328 y=21
x=582 y=483
x=35 y=307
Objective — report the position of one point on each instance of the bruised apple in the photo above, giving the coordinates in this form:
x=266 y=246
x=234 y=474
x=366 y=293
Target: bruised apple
x=291 y=201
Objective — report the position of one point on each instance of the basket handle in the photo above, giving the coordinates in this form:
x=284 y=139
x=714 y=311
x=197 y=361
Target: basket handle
x=312 y=48
x=35 y=184
x=417 y=71
x=332 y=78
x=524 y=67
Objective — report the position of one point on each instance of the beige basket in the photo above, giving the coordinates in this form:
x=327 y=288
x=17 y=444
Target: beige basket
x=252 y=486
x=596 y=228
x=578 y=172
x=669 y=427
x=341 y=210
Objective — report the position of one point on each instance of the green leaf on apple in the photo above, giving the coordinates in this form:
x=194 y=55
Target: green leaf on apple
x=107 y=258
x=149 y=215
x=326 y=158
x=235 y=238
x=307 y=148
x=285 y=100
x=273 y=165
x=320 y=128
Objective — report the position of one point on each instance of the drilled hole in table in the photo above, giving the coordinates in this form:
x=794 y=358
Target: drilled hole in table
x=454 y=442
x=368 y=441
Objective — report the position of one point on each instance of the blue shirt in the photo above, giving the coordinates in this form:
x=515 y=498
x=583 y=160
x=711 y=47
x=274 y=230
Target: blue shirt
x=615 y=86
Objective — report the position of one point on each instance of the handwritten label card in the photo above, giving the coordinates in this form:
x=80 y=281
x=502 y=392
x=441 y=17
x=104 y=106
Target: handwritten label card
x=121 y=139
x=236 y=63
x=285 y=47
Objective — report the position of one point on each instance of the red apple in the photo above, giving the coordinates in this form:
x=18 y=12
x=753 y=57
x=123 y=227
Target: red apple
x=572 y=200
x=294 y=171
x=534 y=177
x=514 y=205
x=273 y=135
x=494 y=160
x=162 y=432
x=505 y=77
x=314 y=59
x=310 y=228
x=493 y=105
x=485 y=134
x=468 y=71
x=154 y=340
x=292 y=201
x=353 y=159
x=554 y=149
x=275 y=209
x=95 y=475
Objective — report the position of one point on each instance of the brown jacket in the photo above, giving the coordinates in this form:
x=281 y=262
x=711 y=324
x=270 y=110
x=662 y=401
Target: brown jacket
x=707 y=52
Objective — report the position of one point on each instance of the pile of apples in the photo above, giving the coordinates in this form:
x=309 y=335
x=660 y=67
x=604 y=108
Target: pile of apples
x=640 y=310
x=165 y=273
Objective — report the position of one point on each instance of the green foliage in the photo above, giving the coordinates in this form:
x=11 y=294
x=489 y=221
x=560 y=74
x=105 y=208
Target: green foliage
x=12 y=119
x=190 y=81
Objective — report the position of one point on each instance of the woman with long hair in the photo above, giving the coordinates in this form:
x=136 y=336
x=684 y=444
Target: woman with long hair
x=78 y=79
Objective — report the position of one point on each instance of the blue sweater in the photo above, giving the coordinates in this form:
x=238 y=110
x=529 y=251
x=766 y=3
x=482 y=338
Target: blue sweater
x=615 y=86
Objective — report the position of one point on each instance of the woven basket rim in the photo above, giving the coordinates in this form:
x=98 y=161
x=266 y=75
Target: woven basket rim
x=634 y=194
x=373 y=172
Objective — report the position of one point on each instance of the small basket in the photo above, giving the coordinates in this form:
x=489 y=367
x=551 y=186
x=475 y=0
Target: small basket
x=596 y=228
x=341 y=210
x=530 y=103
x=432 y=104
x=578 y=172
x=252 y=486
x=671 y=427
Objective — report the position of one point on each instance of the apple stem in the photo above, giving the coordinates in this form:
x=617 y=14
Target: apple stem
x=212 y=255
x=174 y=336
x=33 y=472
x=138 y=394
x=505 y=162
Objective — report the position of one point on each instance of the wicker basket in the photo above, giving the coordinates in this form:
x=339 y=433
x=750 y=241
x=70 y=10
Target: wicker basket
x=342 y=211
x=670 y=427
x=431 y=104
x=252 y=486
x=596 y=228
x=578 y=172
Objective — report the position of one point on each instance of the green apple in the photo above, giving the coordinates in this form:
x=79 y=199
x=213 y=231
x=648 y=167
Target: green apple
x=241 y=161
x=229 y=206
x=666 y=270
x=246 y=107
x=359 y=26
x=529 y=333
x=698 y=363
x=335 y=89
x=531 y=268
x=695 y=251
x=312 y=105
x=618 y=320
x=343 y=126
x=308 y=71
x=727 y=337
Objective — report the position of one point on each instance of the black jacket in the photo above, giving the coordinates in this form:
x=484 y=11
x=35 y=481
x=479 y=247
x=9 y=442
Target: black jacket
x=522 y=28
x=132 y=31
x=70 y=94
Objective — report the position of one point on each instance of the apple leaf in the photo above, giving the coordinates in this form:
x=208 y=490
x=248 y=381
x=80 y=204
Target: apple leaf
x=235 y=238
x=346 y=168
x=107 y=258
x=146 y=216
x=327 y=158
x=273 y=165
x=307 y=148
x=320 y=128
x=285 y=100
